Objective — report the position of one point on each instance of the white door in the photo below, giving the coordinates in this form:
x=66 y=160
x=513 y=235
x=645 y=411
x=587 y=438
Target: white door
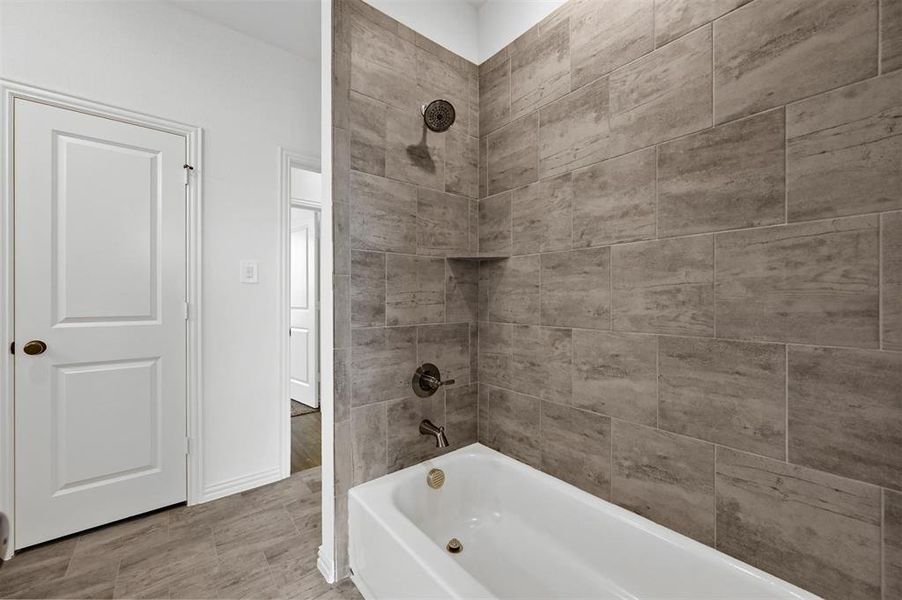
x=100 y=279
x=303 y=307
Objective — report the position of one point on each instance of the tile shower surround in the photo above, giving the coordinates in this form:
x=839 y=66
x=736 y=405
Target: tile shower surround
x=701 y=316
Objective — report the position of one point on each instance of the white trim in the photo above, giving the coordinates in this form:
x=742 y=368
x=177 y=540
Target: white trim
x=327 y=405
x=241 y=484
x=287 y=159
x=9 y=91
x=325 y=566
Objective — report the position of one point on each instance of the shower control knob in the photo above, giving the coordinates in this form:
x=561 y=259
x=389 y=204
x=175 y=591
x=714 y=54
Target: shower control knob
x=427 y=380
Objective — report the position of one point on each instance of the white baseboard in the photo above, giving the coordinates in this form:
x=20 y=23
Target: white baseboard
x=362 y=587
x=240 y=484
x=325 y=566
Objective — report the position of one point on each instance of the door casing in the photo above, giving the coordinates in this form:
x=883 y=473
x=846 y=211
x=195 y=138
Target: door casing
x=9 y=92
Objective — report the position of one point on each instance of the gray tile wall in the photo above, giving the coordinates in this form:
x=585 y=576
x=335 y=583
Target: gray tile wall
x=701 y=318
x=405 y=199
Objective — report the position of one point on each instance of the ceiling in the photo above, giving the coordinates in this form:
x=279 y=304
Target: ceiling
x=292 y=25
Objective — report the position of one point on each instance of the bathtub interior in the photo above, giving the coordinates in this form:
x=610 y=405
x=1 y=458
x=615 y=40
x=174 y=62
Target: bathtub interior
x=526 y=534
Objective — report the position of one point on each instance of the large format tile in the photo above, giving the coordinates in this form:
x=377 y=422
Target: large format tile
x=383 y=360
x=892 y=544
x=812 y=529
x=730 y=393
x=771 y=52
x=845 y=148
x=443 y=223
x=448 y=348
x=369 y=427
x=607 y=34
x=541 y=216
x=461 y=291
x=576 y=447
x=461 y=163
x=513 y=154
x=405 y=445
x=845 y=412
x=383 y=214
x=413 y=153
x=442 y=74
x=664 y=477
x=128 y=538
x=495 y=224
x=614 y=201
x=540 y=68
x=574 y=131
x=727 y=177
x=615 y=374
x=34 y=565
x=341 y=305
x=461 y=418
x=367 y=119
x=674 y=18
x=814 y=283
x=576 y=288
x=890 y=35
x=415 y=290
x=540 y=362
x=511 y=290
x=664 y=286
x=662 y=95
x=494 y=93
x=383 y=65
x=367 y=289
x=892 y=280
x=96 y=583
x=514 y=425
x=495 y=353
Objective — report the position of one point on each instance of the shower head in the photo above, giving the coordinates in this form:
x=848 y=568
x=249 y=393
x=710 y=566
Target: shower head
x=438 y=115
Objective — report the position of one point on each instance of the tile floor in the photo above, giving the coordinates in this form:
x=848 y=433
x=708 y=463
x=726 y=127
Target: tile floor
x=258 y=544
x=306 y=441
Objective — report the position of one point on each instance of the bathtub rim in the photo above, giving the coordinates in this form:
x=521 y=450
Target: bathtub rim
x=380 y=493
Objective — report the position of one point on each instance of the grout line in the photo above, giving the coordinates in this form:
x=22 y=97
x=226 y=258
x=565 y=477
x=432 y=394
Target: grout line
x=881 y=343
x=785 y=165
x=879 y=38
x=713 y=62
x=882 y=544
x=714 y=282
x=786 y=403
x=658 y=382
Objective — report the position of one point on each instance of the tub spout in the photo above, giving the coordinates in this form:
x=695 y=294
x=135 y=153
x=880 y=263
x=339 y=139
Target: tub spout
x=427 y=427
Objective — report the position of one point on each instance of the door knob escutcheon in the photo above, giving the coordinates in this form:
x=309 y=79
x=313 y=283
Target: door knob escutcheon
x=34 y=347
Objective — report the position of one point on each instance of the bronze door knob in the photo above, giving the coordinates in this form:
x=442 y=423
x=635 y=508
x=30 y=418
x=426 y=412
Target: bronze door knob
x=34 y=347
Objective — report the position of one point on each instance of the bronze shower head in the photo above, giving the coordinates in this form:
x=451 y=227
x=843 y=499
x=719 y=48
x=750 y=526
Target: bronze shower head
x=438 y=115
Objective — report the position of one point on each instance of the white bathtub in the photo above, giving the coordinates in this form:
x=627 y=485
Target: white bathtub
x=526 y=535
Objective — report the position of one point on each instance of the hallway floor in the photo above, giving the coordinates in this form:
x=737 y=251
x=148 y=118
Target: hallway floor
x=257 y=544
x=306 y=441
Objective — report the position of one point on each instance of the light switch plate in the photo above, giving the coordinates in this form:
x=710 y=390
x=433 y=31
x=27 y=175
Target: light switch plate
x=248 y=272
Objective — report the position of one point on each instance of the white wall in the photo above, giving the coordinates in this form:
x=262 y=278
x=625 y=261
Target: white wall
x=449 y=23
x=475 y=34
x=250 y=98
x=502 y=21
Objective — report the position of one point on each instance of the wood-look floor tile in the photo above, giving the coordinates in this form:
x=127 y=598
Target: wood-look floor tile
x=34 y=565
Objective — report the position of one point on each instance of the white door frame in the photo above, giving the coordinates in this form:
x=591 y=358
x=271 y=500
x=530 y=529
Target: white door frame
x=287 y=159
x=9 y=92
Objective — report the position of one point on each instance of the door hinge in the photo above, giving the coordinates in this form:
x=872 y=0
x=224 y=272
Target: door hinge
x=187 y=445
x=187 y=311
x=188 y=168
x=12 y=347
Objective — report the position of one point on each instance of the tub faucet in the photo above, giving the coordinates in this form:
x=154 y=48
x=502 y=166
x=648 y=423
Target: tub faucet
x=427 y=427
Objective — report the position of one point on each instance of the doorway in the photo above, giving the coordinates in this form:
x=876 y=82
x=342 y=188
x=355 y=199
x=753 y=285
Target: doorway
x=305 y=189
x=102 y=361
